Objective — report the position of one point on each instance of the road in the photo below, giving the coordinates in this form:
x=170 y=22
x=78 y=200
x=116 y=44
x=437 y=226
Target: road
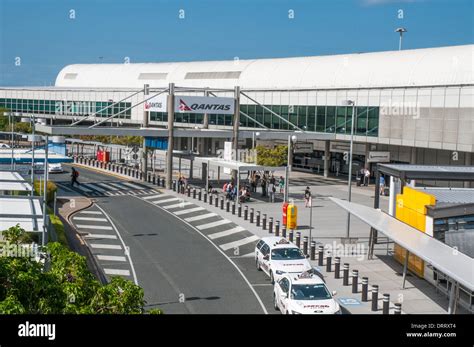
x=180 y=270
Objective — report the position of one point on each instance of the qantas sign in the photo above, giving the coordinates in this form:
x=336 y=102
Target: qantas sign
x=202 y=104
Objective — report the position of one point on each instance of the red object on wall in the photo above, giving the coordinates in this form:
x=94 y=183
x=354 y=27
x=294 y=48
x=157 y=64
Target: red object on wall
x=284 y=210
x=103 y=156
x=100 y=155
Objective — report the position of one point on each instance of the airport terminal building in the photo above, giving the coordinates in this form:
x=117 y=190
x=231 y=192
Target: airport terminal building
x=412 y=106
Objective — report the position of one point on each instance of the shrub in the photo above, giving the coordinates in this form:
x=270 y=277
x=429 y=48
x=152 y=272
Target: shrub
x=51 y=188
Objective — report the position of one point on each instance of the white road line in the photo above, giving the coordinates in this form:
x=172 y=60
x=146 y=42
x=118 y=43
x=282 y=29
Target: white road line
x=84 y=189
x=262 y=306
x=111 y=257
x=98 y=227
x=105 y=185
x=101 y=246
x=213 y=224
x=239 y=243
x=181 y=204
x=189 y=210
x=166 y=200
x=225 y=233
x=127 y=252
x=201 y=216
x=90 y=212
x=91 y=219
x=158 y=196
x=101 y=236
x=95 y=186
x=131 y=185
x=117 y=272
x=119 y=187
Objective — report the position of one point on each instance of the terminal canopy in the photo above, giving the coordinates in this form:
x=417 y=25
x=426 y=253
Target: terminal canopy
x=452 y=263
x=239 y=166
x=12 y=181
x=23 y=210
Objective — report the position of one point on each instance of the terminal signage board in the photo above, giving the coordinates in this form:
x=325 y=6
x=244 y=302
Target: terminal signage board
x=303 y=147
x=379 y=157
x=157 y=103
x=204 y=104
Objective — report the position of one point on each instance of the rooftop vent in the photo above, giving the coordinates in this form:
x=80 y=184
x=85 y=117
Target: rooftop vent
x=70 y=76
x=214 y=75
x=152 y=76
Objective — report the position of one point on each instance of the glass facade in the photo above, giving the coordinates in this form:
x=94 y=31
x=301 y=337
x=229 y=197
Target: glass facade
x=328 y=119
x=62 y=107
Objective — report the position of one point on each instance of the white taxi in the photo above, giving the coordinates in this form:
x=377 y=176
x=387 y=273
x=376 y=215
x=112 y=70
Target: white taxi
x=276 y=256
x=304 y=294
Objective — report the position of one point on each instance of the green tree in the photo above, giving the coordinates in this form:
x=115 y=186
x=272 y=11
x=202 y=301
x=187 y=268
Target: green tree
x=16 y=235
x=276 y=156
x=61 y=284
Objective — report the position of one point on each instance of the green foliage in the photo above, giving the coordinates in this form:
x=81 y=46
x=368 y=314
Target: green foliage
x=276 y=156
x=58 y=228
x=50 y=188
x=16 y=235
x=63 y=285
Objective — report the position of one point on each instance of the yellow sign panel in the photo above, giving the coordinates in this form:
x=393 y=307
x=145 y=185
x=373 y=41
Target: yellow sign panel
x=291 y=216
x=411 y=209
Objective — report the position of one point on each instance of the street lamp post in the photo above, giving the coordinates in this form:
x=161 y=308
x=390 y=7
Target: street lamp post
x=349 y=180
x=254 y=136
x=291 y=139
x=10 y=119
x=400 y=31
x=32 y=154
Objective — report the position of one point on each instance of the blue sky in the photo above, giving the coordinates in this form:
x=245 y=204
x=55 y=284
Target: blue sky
x=45 y=38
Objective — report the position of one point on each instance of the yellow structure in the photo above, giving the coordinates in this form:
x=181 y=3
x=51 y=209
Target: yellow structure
x=291 y=216
x=411 y=209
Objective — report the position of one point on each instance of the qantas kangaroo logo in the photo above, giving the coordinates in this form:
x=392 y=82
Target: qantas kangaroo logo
x=183 y=106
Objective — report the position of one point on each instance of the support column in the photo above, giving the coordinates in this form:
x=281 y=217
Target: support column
x=327 y=156
x=467 y=162
x=169 y=153
x=203 y=141
x=413 y=155
x=145 y=125
x=235 y=133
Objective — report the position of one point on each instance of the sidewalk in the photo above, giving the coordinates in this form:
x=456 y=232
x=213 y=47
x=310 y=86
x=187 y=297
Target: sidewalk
x=329 y=225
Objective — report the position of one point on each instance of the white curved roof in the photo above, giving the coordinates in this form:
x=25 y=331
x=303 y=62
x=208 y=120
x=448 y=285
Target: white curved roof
x=419 y=67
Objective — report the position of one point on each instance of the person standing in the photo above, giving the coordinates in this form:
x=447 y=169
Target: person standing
x=382 y=185
x=271 y=191
x=264 y=187
x=366 y=177
x=74 y=176
x=281 y=184
x=307 y=197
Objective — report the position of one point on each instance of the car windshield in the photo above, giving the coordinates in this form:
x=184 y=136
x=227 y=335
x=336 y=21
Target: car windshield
x=310 y=292
x=287 y=254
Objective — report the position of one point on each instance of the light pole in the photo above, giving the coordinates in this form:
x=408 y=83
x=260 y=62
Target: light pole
x=291 y=139
x=400 y=31
x=349 y=180
x=254 y=136
x=32 y=154
x=10 y=119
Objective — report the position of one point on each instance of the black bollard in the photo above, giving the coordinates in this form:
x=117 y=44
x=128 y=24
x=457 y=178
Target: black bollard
x=239 y=210
x=320 y=255
x=305 y=245
x=312 y=253
x=189 y=192
x=283 y=231
x=258 y=218
x=328 y=264
x=246 y=212
x=375 y=297
x=365 y=287
x=227 y=206
x=355 y=281
x=194 y=193
x=205 y=197
x=298 y=239
x=290 y=235
x=264 y=221
x=216 y=200
x=386 y=303
x=345 y=274
x=222 y=202
x=398 y=308
x=277 y=228
x=270 y=225
x=233 y=208
x=200 y=195
x=337 y=267
x=251 y=215
x=210 y=199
